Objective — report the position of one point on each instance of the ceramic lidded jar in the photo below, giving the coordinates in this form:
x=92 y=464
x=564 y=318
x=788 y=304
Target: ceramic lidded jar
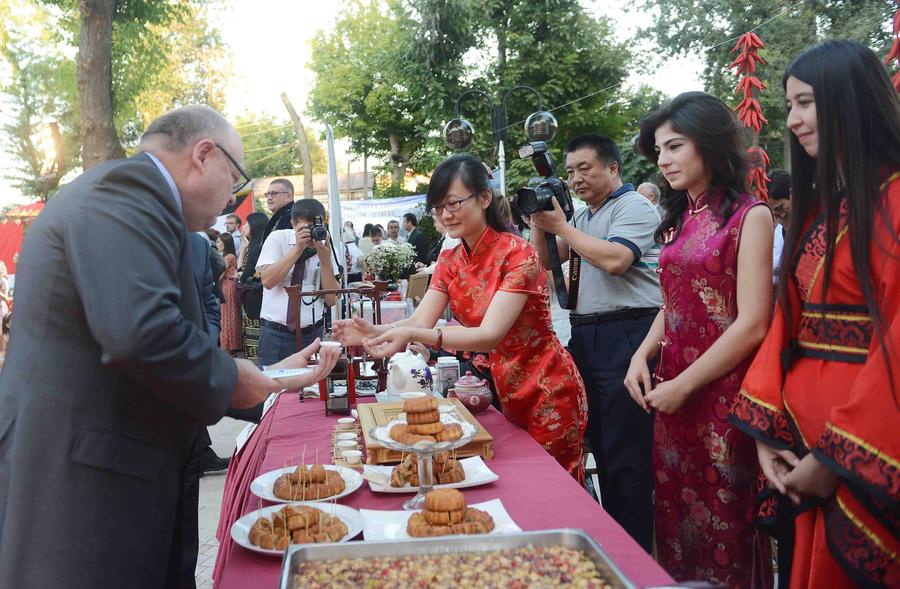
x=473 y=392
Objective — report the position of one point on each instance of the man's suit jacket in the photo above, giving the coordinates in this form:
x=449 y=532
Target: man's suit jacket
x=419 y=242
x=109 y=376
x=205 y=281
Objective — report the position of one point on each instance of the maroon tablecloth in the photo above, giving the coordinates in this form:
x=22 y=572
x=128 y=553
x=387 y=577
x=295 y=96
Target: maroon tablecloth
x=536 y=491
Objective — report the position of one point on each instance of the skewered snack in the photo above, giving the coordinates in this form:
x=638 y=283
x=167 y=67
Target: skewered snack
x=296 y=524
x=446 y=513
x=307 y=484
x=446 y=471
x=531 y=566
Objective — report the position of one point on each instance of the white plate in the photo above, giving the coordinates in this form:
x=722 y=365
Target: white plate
x=263 y=485
x=240 y=530
x=477 y=473
x=391 y=525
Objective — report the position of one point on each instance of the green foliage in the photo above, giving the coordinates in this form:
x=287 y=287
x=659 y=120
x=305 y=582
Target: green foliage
x=270 y=147
x=165 y=54
x=41 y=90
x=387 y=74
x=703 y=26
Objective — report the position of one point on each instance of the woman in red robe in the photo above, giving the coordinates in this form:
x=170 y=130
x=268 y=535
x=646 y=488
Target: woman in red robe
x=497 y=289
x=821 y=397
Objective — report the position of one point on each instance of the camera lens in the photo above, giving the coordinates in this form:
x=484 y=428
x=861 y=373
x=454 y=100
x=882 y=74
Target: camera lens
x=532 y=200
x=318 y=232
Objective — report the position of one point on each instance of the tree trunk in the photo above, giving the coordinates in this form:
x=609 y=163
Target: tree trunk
x=304 y=147
x=398 y=162
x=99 y=140
x=366 y=175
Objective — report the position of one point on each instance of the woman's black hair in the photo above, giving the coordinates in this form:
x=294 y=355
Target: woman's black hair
x=257 y=223
x=711 y=125
x=858 y=120
x=228 y=241
x=474 y=176
x=367 y=229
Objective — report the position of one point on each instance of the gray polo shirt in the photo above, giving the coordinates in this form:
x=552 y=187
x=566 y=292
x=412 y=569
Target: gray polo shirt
x=629 y=219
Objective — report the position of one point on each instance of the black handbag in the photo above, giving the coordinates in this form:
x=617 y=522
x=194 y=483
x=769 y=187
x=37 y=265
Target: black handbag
x=251 y=294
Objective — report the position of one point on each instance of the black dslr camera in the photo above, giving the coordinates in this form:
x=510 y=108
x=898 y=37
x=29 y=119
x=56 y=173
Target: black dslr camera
x=540 y=198
x=317 y=230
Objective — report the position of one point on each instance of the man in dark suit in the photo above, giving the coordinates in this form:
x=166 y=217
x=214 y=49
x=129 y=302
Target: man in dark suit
x=110 y=373
x=415 y=237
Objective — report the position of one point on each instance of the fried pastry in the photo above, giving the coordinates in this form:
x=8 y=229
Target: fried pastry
x=449 y=433
x=420 y=405
x=426 y=429
x=444 y=500
x=426 y=417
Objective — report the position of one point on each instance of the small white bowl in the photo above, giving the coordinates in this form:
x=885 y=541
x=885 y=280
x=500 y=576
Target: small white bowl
x=330 y=344
x=412 y=395
x=352 y=456
x=345 y=423
x=347 y=436
x=347 y=445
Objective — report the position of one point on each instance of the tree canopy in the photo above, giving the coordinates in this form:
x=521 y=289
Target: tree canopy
x=709 y=27
x=270 y=147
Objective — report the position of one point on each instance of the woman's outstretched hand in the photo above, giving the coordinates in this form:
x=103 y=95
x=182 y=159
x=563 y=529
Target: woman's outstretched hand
x=352 y=332
x=389 y=343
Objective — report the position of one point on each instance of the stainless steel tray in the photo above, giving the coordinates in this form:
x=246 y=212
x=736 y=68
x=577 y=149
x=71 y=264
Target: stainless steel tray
x=568 y=538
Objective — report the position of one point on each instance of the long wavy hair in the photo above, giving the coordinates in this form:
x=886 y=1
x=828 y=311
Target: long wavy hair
x=712 y=126
x=257 y=222
x=474 y=176
x=858 y=119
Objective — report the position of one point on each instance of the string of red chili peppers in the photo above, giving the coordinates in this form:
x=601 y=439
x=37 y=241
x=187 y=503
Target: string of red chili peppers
x=749 y=110
x=895 y=50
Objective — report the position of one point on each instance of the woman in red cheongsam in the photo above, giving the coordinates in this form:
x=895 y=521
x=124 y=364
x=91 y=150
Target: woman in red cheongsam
x=497 y=290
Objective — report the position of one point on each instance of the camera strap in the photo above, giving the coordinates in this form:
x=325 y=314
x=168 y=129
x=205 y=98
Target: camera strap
x=568 y=299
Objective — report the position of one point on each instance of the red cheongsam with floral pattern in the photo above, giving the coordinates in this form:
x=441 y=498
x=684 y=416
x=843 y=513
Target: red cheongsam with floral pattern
x=704 y=468
x=539 y=387
x=821 y=383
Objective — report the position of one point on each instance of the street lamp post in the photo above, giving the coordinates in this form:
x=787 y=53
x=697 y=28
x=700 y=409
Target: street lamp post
x=540 y=126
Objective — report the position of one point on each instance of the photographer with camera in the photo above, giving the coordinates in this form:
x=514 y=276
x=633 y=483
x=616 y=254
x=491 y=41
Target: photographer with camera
x=301 y=255
x=616 y=297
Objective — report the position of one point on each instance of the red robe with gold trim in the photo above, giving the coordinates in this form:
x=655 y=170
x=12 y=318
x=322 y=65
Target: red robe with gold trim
x=820 y=383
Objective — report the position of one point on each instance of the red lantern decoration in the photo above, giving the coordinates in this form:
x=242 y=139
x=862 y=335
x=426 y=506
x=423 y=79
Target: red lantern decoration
x=748 y=109
x=894 y=54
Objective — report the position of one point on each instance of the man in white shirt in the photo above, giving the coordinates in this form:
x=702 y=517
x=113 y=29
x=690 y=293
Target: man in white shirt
x=393 y=233
x=290 y=256
x=779 y=186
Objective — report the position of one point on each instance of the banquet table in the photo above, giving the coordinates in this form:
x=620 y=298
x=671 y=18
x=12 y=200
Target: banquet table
x=534 y=489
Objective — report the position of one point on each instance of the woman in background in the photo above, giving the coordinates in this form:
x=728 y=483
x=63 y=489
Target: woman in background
x=231 y=336
x=715 y=268
x=821 y=398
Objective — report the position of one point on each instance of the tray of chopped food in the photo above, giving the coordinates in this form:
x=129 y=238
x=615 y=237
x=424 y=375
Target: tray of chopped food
x=551 y=558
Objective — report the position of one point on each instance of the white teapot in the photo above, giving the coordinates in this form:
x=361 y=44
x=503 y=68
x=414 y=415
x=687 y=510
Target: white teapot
x=408 y=372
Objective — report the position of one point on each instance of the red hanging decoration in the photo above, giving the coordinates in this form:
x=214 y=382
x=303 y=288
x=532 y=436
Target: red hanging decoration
x=894 y=54
x=748 y=109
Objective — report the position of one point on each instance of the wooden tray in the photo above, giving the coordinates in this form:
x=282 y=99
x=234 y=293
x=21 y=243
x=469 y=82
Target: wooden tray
x=372 y=415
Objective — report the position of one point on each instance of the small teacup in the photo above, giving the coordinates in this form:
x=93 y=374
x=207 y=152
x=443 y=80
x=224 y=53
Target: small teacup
x=347 y=436
x=344 y=445
x=352 y=456
x=345 y=423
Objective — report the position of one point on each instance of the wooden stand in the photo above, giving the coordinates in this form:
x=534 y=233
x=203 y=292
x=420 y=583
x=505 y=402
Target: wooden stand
x=353 y=371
